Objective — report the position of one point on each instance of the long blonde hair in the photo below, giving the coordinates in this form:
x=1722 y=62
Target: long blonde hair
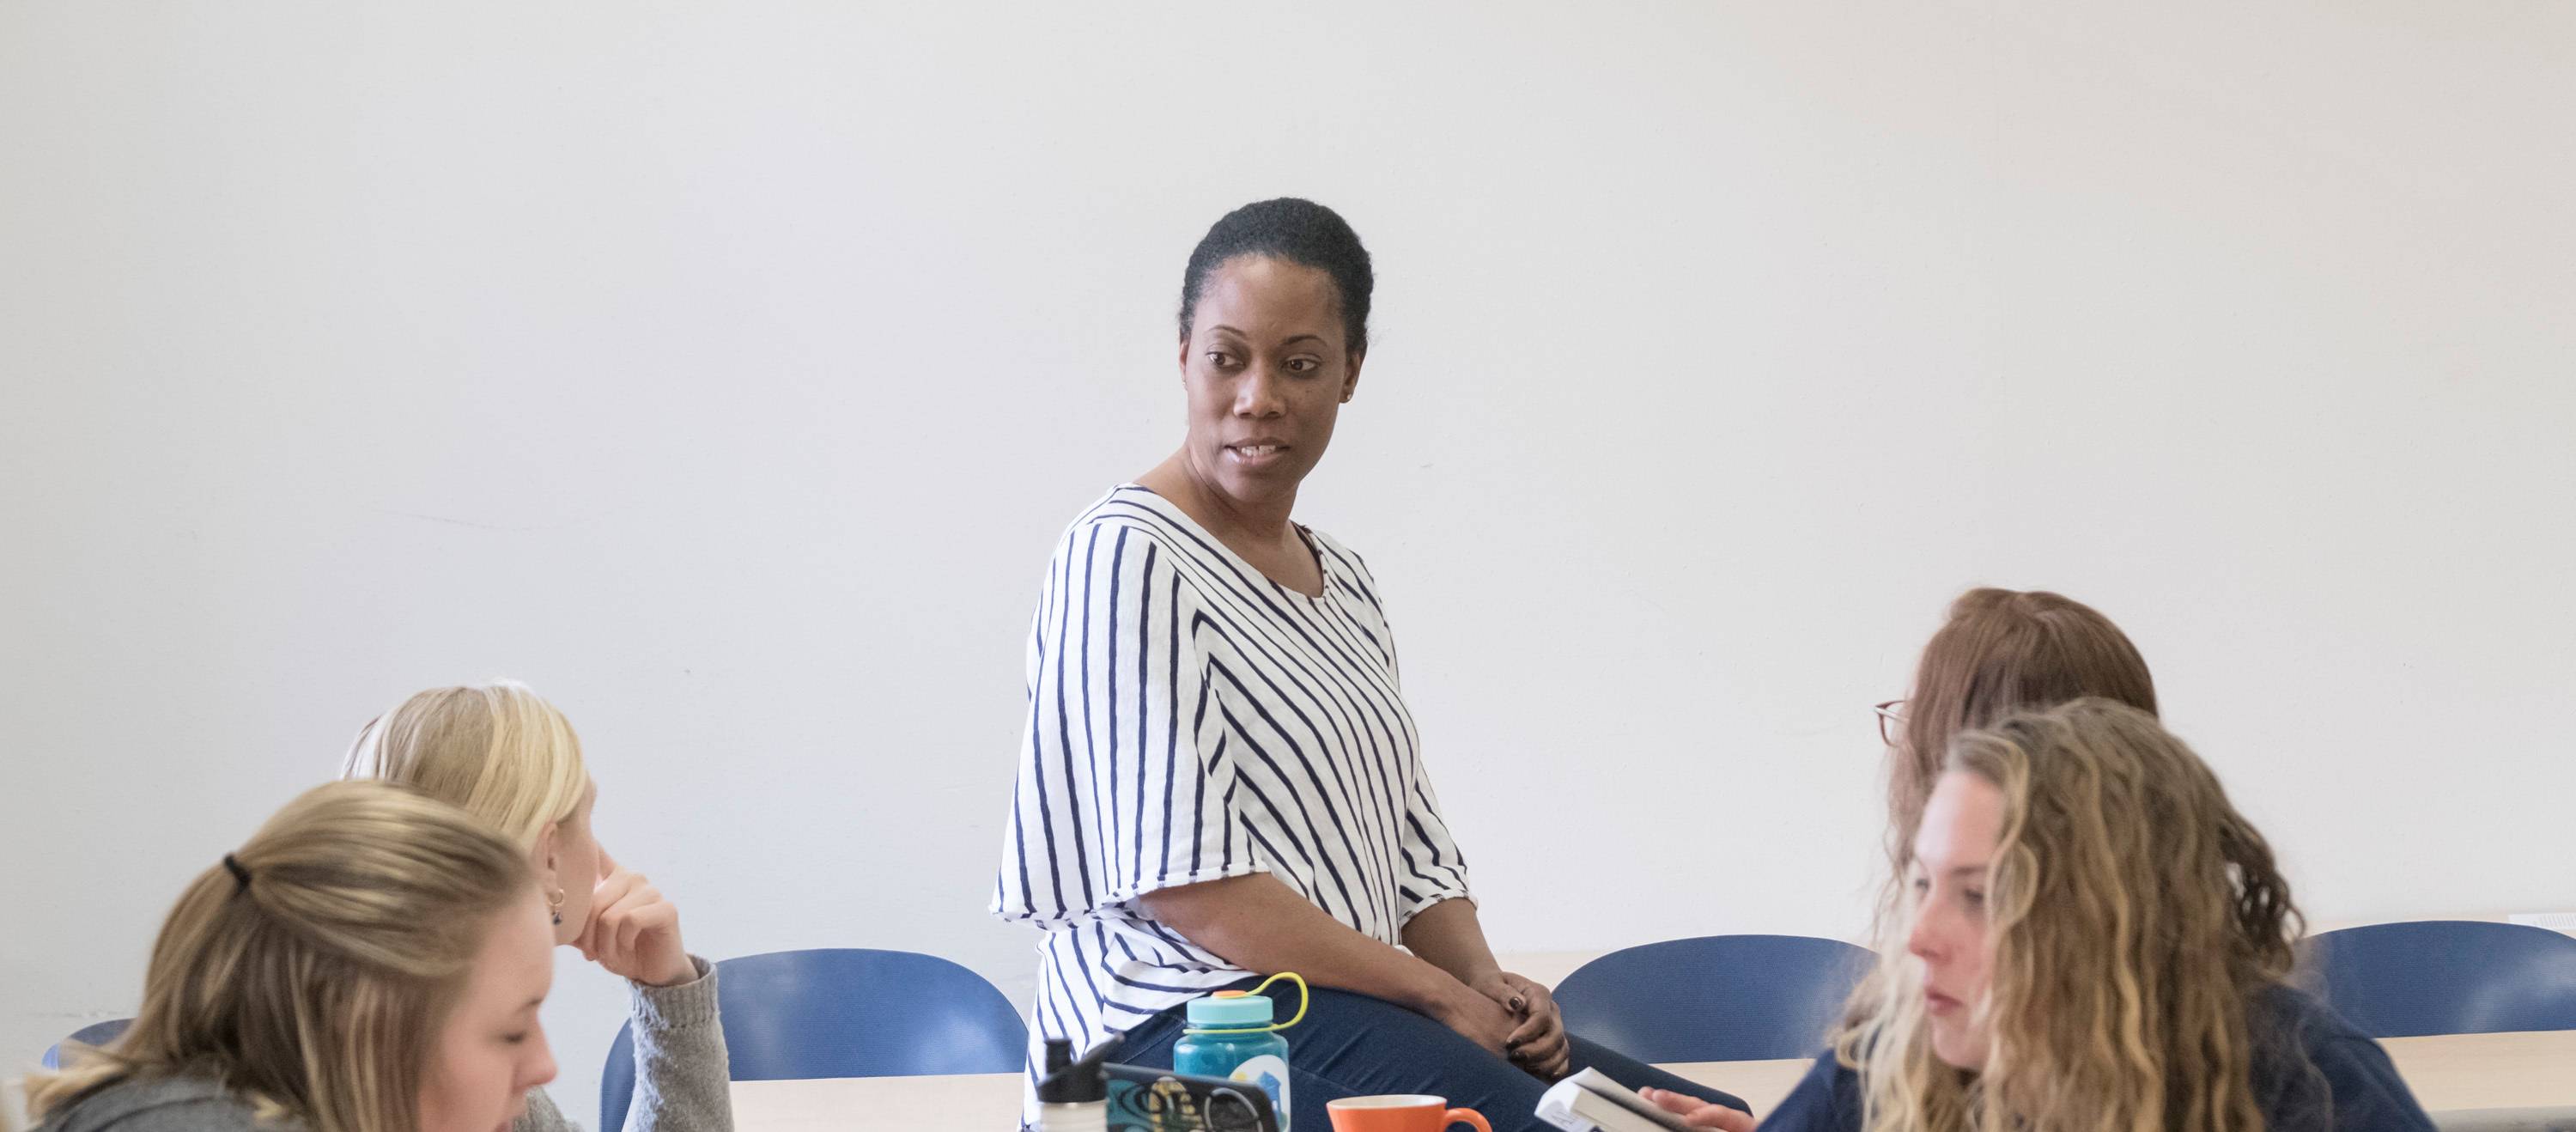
x=2134 y=916
x=310 y=972
x=499 y=750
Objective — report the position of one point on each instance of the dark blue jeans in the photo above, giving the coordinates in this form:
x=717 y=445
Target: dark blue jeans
x=1352 y=1045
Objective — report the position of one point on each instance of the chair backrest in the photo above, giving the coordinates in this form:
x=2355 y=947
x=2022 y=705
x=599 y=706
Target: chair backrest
x=2421 y=977
x=94 y=1034
x=844 y=1012
x=1714 y=998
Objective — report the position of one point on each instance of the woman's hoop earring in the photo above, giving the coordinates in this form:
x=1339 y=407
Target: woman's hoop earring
x=554 y=905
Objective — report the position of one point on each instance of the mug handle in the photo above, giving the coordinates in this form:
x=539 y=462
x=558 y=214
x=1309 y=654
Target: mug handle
x=1465 y=1116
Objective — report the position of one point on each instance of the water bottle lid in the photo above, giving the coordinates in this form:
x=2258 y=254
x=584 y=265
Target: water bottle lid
x=1230 y=1008
x=1071 y=1080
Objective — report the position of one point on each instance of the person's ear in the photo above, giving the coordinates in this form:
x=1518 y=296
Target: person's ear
x=1351 y=377
x=549 y=869
x=547 y=857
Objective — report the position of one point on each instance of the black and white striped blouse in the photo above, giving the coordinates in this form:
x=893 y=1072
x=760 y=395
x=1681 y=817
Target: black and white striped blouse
x=1190 y=719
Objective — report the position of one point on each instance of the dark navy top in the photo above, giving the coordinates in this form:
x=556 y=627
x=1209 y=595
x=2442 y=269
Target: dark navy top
x=2354 y=1087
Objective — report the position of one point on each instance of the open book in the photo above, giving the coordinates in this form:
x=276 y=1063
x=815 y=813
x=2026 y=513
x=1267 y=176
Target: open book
x=1591 y=1102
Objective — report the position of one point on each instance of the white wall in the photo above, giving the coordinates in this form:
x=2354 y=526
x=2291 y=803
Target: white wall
x=726 y=371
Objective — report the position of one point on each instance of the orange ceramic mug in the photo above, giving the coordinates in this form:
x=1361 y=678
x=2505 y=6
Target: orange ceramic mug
x=1400 y=1114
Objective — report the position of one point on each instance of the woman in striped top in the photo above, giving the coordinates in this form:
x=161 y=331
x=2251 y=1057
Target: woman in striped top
x=1218 y=777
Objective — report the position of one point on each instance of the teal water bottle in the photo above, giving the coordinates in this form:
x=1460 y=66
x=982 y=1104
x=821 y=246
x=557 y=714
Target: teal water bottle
x=1231 y=1035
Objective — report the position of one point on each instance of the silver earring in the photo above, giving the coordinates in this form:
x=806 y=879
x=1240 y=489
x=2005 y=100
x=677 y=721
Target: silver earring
x=554 y=904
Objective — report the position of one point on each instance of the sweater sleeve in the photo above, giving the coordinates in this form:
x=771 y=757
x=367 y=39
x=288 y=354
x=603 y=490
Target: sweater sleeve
x=542 y=1115
x=682 y=1079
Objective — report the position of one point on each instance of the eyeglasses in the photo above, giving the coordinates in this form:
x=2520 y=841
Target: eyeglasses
x=1891 y=720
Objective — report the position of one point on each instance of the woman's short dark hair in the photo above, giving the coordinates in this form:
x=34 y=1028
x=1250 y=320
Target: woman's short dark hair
x=1299 y=231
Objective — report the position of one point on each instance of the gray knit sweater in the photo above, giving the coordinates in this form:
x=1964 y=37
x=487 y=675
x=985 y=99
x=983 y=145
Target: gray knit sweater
x=681 y=1083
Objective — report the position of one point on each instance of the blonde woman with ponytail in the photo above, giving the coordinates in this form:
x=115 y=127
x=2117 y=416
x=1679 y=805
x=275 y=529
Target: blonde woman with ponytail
x=506 y=756
x=2094 y=940
x=369 y=961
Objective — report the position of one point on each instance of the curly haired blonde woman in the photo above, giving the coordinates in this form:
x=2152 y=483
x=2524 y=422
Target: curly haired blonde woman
x=506 y=756
x=2095 y=941
x=369 y=961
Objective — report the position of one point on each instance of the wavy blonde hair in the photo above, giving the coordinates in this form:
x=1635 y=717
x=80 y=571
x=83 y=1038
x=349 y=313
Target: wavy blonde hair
x=316 y=987
x=499 y=750
x=2134 y=917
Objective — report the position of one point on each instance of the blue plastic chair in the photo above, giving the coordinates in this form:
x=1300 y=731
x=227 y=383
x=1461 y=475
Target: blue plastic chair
x=2421 y=977
x=94 y=1034
x=1714 y=998
x=844 y=1012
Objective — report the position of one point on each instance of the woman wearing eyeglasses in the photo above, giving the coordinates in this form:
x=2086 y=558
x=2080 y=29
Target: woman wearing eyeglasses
x=2000 y=651
x=2093 y=937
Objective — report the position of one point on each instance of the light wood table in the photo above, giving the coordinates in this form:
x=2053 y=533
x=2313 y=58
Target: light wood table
x=983 y=1102
x=2492 y=1081
x=2469 y=1082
